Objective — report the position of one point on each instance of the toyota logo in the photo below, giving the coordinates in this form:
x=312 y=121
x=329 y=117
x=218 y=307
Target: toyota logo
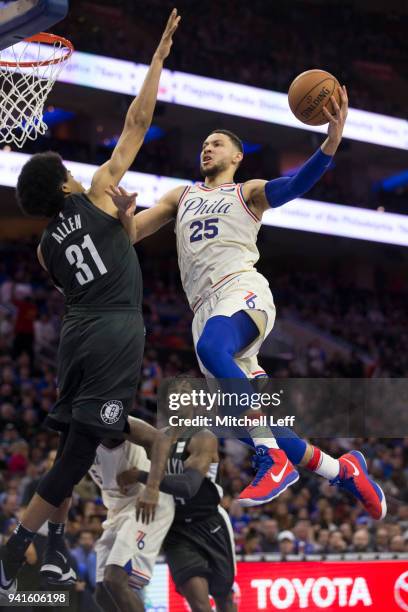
x=401 y=591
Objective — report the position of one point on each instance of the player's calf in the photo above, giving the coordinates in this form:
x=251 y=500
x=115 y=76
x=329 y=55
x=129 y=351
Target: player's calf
x=116 y=582
x=104 y=599
x=195 y=590
x=225 y=604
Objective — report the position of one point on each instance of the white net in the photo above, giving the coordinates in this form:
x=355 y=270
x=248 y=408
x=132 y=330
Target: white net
x=24 y=89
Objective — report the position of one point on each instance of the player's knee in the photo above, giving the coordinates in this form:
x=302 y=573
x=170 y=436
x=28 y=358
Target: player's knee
x=210 y=350
x=206 y=349
x=71 y=467
x=115 y=579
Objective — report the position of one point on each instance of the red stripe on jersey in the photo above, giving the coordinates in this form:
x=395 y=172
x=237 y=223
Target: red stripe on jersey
x=245 y=205
x=183 y=195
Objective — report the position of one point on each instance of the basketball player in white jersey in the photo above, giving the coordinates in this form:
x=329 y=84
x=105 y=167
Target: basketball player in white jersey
x=128 y=549
x=199 y=546
x=217 y=223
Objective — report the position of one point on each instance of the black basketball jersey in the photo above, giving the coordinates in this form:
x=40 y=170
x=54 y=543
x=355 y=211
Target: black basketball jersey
x=90 y=257
x=207 y=498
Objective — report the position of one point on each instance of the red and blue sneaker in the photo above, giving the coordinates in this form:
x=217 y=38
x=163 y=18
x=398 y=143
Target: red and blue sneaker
x=354 y=478
x=275 y=474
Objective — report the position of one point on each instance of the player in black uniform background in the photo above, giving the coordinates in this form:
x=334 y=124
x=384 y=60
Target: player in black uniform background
x=89 y=256
x=199 y=547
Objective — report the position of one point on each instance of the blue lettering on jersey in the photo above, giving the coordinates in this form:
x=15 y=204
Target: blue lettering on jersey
x=199 y=206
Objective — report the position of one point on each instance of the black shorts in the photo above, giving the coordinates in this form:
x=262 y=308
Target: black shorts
x=203 y=548
x=99 y=360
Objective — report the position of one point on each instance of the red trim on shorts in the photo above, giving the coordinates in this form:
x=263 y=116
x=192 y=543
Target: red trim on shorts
x=245 y=205
x=196 y=304
x=134 y=571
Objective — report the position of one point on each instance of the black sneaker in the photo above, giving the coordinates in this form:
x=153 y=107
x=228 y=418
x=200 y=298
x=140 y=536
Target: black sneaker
x=8 y=573
x=56 y=567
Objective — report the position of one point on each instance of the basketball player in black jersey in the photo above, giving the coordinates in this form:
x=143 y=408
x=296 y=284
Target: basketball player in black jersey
x=90 y=258
x=199 y=547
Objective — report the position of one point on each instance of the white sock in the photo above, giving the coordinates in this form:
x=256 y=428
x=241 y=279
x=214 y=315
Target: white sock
x=328 y=467
x=258 y=440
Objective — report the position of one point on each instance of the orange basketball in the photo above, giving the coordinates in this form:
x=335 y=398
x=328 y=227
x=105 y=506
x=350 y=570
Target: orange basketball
x=310 y=92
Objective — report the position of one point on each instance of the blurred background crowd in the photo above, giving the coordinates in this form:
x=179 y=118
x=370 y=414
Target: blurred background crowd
x=310 y=518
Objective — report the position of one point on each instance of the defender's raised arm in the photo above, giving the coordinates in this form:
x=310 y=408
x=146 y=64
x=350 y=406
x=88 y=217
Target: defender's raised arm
x=138 y=119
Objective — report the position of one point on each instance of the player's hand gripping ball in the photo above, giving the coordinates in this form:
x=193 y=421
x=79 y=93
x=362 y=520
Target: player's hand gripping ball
x=310 y=92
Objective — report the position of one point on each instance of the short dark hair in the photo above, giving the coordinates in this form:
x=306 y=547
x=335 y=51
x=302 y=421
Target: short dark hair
x=39 y=186
x=233 y=137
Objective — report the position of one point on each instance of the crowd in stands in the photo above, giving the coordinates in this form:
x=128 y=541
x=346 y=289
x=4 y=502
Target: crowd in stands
x=217 y=40
x=311 y=517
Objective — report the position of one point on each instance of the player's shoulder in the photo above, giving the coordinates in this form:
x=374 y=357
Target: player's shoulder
x=171 y=199
x=203 y=438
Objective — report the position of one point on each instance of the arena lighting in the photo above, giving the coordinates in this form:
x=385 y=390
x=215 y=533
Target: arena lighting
x=194 y=91
x=301 y=214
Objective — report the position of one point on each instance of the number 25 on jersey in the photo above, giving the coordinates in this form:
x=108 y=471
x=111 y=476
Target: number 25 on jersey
x=204 y=229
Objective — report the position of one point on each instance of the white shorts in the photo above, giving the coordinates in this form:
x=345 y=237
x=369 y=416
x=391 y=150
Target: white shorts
x=248 y=291
x=133 y=545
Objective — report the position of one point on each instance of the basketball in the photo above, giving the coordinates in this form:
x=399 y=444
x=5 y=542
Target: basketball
x=310 y=92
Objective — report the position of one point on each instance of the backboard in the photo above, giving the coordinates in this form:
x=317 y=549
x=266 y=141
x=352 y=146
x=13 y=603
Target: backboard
x=20 y=19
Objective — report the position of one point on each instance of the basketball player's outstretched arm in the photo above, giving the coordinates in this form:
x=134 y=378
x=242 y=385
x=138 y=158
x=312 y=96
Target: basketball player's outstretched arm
x=148 y=221
x=157 y=444
x=137 y=122
x=262 y=195
x=203 y=450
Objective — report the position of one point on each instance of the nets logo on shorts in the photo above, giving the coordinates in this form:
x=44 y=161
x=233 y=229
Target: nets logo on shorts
x=111 y=412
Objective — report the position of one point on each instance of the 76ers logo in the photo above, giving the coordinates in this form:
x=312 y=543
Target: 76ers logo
x=111 y=412
x=250 y=299
x=140 y=540
x=401 y=591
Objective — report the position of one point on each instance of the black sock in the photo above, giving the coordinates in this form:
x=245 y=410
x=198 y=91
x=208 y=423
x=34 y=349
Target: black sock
x=56 y=535
x=18 y=543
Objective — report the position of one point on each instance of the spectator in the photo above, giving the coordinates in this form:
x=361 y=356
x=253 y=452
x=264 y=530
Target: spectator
x=269 y=541
x=381 y=543
x=304 y=535
x=85 y=557
x=287 y=543
x=24 y=326
x=398 y=544
x=252 y=543
x=361 y=541
x=336 y=543
x=8 y=510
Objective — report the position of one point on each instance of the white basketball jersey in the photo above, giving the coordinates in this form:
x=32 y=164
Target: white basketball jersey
x=216 y=237
x=109 y=462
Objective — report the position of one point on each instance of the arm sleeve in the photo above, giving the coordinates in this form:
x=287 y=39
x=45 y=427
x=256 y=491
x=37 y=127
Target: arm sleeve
x=282 y=190
x=184 y=485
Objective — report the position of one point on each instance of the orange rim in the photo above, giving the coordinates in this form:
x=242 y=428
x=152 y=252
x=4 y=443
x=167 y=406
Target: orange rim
x=50 y=39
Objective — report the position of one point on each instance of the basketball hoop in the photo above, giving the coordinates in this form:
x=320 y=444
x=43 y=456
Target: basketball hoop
x=28 y=71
